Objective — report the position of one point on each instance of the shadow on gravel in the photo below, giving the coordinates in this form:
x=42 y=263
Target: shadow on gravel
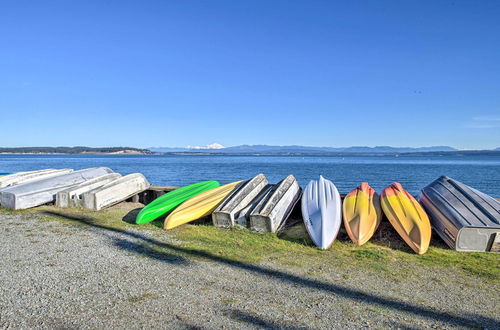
x=149 y=246
x=259 y=322
x=148 y=252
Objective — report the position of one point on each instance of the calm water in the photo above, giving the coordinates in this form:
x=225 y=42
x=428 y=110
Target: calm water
x=413 y=173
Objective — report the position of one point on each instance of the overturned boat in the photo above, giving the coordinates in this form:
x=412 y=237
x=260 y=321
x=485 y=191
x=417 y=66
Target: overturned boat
x=200 y=206
x=72 y=197
x=115 y=191
x=321 y=211
x=242 y=218
x=465 y=218
x=271 y=212
x=44 y=191
x=407 y=216
x=224 y=215
x=26 y=177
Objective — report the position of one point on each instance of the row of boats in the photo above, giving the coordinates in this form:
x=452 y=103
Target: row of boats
x=91 y=188
x=466 y=219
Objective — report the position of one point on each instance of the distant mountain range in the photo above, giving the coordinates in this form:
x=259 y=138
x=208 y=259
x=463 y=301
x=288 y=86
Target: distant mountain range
x=295 y=149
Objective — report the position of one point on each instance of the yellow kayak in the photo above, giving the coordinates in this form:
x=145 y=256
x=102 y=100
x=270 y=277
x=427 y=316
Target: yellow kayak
x=362 y=213
x=407 y=216
x=199 y=206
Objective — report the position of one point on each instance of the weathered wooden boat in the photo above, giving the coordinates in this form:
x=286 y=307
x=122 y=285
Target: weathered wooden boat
x=115 y=191
x=465 y=218
x=44 y=191
x=26 y=177
x=72 y=197
x=242 y=218
x=224 y=215
x=271 y=212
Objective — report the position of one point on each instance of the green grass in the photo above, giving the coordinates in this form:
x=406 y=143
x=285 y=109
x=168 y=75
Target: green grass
x=385 y=255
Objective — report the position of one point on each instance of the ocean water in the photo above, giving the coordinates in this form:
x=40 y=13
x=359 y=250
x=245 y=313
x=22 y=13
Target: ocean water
x=480 y=172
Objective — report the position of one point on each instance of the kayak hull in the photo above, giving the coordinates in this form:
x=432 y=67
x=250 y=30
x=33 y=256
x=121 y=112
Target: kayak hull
x=199 y=206
x=361 y=213
x=407 y=216
x=321 y=211
x=168 y=202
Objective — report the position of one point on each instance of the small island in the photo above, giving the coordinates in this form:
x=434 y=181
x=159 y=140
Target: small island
x=77 y=150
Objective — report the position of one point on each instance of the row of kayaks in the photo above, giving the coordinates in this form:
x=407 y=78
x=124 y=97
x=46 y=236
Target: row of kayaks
x=261 y=206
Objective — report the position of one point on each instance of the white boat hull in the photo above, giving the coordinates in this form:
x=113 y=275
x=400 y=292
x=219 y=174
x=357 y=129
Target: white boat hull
x=44 y=191
x=115 y=191
x=31 y=176
x=322 y=212
x=72 y=197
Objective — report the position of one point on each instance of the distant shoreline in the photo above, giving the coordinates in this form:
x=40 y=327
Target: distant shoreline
x=75 y=151
x=272 y=154
x=345 y=154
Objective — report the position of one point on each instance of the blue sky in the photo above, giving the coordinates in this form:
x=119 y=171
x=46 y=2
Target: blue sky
x=321 y=73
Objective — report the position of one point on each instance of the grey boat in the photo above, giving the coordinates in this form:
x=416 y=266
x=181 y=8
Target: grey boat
x=272 y=211
x=72 y=197
x=44 y=191
x=242 y=218
x=224 y=215
x=114 y=192
x=31 y=176
x=465 y=218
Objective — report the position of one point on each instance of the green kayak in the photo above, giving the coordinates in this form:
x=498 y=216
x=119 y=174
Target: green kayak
x=166 y=203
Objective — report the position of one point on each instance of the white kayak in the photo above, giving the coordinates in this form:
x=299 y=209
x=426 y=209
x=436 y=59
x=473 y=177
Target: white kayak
x=322 y=211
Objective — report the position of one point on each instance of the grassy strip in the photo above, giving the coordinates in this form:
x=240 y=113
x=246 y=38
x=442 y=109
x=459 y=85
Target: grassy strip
x=386 y=254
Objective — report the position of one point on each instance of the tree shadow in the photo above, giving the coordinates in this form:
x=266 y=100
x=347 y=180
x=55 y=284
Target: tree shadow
x=263 y=323
x=460 y=318
x=259 y=322
x=144 y=250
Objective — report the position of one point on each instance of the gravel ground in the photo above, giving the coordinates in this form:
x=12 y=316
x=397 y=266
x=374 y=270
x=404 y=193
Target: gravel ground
x=57 y=275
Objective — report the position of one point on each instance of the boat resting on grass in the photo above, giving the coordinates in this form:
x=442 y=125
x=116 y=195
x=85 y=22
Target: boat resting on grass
x=44 y=191
x=407 y=216
x=242 y=218
x=322 y=212
x=272 y=211
x=465 y=218
x=115 y=191
x=224 y=215
x=31 y=176
x=168 y=202
x=199 y=206
x=361 y=213
x=72 y=197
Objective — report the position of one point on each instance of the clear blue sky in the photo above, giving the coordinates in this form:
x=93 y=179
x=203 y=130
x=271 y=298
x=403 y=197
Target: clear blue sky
x=322 y=73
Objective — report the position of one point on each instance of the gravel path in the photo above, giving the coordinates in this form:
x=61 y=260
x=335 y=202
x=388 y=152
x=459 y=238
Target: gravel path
x=57 y=275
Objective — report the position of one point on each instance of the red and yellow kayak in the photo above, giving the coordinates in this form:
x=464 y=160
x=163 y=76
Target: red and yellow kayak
x=407 y=216
x=361 y=213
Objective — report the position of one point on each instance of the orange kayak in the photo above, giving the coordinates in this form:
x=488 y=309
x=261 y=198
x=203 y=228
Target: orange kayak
x=361 y=213
x=407 y=216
